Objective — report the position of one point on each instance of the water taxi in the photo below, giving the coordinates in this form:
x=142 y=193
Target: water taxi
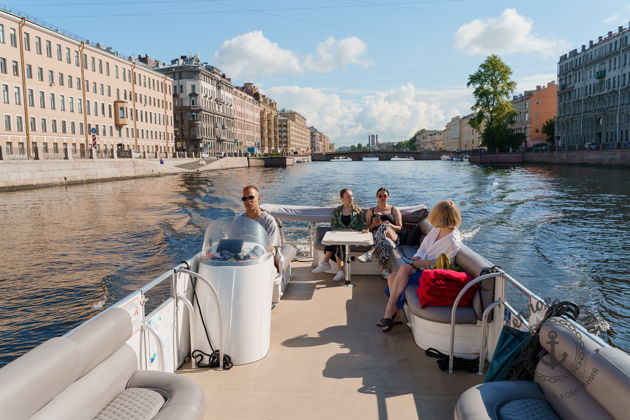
x=242 y=332
x=341 y=159
x=403 y=158
x=446 y=157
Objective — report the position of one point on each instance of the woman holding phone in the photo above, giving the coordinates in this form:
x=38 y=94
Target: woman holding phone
x=385 y=223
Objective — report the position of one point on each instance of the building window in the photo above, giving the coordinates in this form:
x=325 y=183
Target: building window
x=45 y=147
x=31 y=99
x=59 y=55
x=62 y=103
x=18 y=97
x=7 y=123
x=116 y=72
x=72 y=127
x=71 y=103
x=29 y=71
x=93 y=60
x=85 y=61
x=51 y=77
x=42 y=99
x=40 y=74
x=537 y=116
x=16 y=69
x=68 y=56
x=19 y=126
x=13 y=37
x=33 y=125
x=48 y=49
x=80 y=105
x=76 y=58
x=61 y=79
x=44 y=130
x=38 y=45
x=27 y=41
x=87 y=107
x=52 y=101
x=70 y=81
x=3 y=65
x=2 y=33
x=81 y=128
x=53 y=125
x=107 y=68
x=100 y=66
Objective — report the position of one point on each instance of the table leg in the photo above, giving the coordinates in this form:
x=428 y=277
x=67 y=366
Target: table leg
x=348 y=282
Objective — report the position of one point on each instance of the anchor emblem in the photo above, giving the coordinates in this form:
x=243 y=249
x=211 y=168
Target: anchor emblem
x=552 y=351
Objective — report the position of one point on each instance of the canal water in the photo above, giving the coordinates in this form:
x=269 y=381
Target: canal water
x=68 y=252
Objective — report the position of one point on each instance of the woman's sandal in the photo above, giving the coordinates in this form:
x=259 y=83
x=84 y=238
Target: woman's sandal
x=388 y=324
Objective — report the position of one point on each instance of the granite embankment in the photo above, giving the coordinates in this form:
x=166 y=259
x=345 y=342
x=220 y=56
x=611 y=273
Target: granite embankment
x=26 y=174
x=616 y=157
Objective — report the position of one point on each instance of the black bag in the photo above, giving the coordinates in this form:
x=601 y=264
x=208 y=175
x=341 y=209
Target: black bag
x=410 y=235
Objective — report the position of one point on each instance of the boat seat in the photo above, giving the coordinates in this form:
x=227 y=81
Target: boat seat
x=442 y=314
x=93 y=372
x=589 y=381
x=288 y=253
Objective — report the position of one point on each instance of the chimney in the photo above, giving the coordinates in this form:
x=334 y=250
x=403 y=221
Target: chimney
x=599 y=38
x=619 y=28
x=583 y=48
x=590 y=43
x=609 y=34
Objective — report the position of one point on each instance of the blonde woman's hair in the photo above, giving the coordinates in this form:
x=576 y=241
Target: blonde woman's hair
x=445 y=214
x=354 y=206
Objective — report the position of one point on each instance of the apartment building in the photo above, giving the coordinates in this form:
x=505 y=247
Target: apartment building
x=269 y=141
x=452 y=134
x=57 y=90
x=373 y=140
x=594 y=94
x=246 y=120
x=533 y=109
x=203 y=106
x=294 y=134
x=428 y=140
x=319 y=141
x=470 y=139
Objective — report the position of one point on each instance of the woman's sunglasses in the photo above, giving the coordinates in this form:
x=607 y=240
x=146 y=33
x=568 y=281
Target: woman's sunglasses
x=249 y=197
x=382 y=196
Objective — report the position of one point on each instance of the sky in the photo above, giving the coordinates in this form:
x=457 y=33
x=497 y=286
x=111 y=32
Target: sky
x=351 y=67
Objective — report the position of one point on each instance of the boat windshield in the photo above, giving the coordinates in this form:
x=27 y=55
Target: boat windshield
x=239 y=239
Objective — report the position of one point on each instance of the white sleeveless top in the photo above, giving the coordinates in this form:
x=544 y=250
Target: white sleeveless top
x=430 y=249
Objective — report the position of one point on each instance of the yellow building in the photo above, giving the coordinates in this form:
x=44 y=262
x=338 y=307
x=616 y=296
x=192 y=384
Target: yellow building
x=57 y=90
x=294 y=134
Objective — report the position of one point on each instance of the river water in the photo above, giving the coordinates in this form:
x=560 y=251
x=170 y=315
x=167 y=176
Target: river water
x=68 y=252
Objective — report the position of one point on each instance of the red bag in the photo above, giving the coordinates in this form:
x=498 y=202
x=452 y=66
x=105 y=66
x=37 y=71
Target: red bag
x=441 y=287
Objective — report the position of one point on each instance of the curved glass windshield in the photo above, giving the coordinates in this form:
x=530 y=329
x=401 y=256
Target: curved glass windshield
x=235 y=240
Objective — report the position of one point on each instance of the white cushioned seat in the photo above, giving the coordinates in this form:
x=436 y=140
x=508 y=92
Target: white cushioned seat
x=133 y=404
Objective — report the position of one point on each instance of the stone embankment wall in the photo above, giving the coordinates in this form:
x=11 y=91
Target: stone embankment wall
x=576 y=157
x=25 y=174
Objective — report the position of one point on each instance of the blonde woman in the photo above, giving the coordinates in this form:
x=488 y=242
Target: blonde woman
x=345 y=217
x=444 y=238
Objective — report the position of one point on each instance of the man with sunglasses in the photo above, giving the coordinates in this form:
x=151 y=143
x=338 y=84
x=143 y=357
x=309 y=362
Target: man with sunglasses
x=251 y=202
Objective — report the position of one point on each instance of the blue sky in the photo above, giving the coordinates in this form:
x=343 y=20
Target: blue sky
x=352 y=67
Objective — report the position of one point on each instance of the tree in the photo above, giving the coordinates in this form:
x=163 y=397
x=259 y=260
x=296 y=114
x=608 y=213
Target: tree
x=493 y=111
x=549 y=128
x=353 y=148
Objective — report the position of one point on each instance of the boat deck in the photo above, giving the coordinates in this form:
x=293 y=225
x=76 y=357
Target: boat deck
x=329 y=360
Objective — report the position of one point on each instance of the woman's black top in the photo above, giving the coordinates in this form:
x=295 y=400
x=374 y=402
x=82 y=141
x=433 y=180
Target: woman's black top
x=385 y=217
x=346 y=219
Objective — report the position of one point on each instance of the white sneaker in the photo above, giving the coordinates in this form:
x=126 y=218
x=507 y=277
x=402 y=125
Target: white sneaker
x=386 y=273
x=321 y=267
x=364 y=258
x=339 y=276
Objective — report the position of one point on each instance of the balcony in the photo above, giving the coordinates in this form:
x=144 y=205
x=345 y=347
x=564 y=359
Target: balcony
x=601 y=74
x=119 y=112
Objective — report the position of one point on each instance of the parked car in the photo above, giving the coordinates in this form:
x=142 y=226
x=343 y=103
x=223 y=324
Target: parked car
x=592 y=146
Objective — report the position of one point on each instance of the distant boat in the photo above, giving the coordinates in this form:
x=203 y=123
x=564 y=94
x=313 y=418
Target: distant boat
x=446 y=157
x=403 y=158
x=466 y=157
x=458 y=159
x=370 y=157
x=341 y=159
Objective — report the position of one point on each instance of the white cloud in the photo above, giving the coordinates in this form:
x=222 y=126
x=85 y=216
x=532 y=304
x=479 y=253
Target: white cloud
x=333 y=54
x=509 y=33
x=394 y=114
x=612 y=18
x=252 y=55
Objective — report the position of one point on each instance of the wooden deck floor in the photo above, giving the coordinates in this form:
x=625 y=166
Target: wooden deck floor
x=328 y=360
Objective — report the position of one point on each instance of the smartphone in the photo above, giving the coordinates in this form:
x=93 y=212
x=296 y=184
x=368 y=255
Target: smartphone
x=377 y=217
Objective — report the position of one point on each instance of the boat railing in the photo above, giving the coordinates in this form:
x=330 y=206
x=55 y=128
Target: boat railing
x=535 y=302
x=135 y=304
x=308 y=243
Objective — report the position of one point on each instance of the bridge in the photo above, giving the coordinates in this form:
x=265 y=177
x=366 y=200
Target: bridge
x=383 y=155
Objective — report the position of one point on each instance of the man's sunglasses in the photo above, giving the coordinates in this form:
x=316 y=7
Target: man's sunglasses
x=249 y=197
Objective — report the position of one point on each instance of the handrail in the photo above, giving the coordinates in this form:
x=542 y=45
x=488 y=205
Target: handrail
x=191 y=323
x=454 y=312
x=159 y=279
x=216 y=295
x=155 y=335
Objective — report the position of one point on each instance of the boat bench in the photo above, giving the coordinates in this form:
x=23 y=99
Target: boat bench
x=586 y=381
x=92 y=373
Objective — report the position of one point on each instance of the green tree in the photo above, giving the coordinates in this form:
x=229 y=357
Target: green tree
x=549 y=128
x=353 y=148
x=493 y=111
x=359 y=147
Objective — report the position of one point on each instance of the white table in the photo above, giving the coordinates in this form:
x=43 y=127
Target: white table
x=347 y=238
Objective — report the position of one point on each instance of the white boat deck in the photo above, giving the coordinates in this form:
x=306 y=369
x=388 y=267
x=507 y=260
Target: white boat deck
x=329 y=360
